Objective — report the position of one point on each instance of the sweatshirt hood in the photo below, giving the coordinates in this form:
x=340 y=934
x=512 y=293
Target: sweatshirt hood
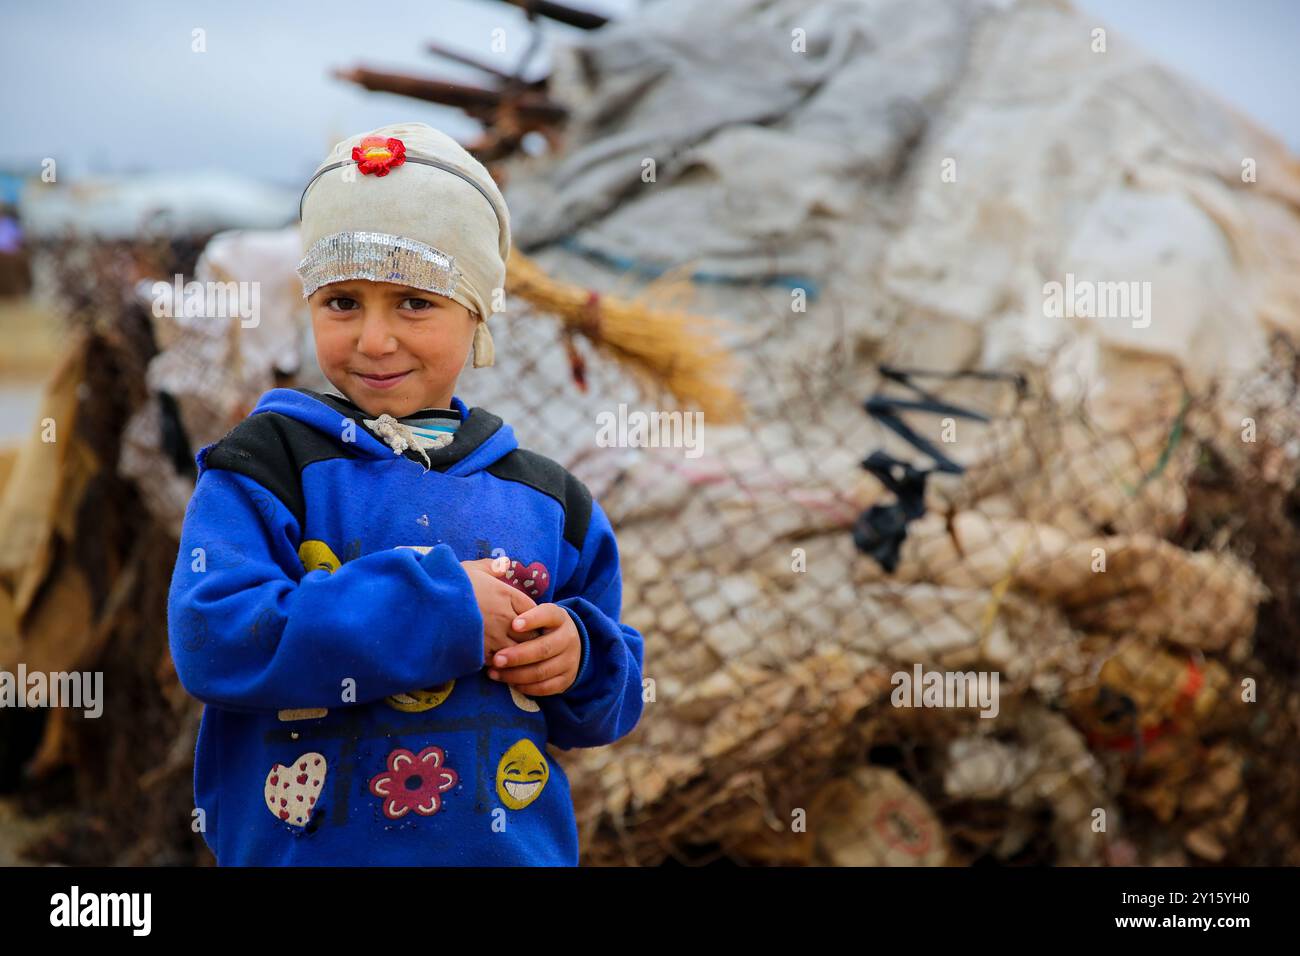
x=481 y=439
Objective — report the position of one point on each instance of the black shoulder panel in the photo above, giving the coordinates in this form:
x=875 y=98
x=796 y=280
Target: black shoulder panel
x=553 y=479
x=273 y=449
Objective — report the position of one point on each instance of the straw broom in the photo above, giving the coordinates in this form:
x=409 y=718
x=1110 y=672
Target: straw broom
x=651 y=336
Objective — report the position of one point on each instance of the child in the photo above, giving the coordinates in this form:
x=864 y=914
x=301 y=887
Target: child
x=389 y=607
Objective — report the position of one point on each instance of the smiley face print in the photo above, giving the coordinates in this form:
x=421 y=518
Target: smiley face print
x=521 y=774
x=318 y=556
x=418 y=701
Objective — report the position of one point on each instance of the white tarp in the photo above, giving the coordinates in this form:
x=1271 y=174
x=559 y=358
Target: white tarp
x=172 y=204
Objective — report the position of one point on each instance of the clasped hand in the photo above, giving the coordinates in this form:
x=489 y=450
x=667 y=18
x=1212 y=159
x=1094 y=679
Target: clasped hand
x=533 y=647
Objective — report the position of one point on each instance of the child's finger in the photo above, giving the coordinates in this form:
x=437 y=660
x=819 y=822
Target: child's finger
x=540 y=616
x=520 y=604
x=530 y=673
x=540 y=648
x=553 y=685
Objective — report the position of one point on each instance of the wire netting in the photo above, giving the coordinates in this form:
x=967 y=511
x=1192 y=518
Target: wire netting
x=1123 y=566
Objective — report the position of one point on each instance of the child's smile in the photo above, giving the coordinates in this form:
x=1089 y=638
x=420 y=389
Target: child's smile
x=382 y=382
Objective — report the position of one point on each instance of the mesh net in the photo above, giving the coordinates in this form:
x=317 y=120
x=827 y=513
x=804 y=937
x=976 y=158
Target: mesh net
x=1103 y=589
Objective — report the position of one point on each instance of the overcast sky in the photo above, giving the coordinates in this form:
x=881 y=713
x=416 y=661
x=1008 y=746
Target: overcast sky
x=114 y=87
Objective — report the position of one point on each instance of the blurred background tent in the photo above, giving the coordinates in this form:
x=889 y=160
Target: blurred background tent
x=864 y=208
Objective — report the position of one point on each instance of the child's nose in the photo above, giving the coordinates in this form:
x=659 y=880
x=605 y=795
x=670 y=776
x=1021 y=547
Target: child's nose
x=376 y=336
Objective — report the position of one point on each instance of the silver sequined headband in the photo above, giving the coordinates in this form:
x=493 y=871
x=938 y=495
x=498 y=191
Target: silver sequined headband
x=380 y=257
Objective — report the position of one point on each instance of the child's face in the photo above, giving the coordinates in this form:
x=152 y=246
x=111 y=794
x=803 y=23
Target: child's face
x=390 y=348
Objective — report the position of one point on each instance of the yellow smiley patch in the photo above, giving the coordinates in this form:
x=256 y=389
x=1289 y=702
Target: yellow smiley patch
x=521 y=775
x=418 y=701
x=318 y=556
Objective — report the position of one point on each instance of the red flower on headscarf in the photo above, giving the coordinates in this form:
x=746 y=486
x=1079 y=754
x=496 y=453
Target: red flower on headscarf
x=413 y=782
x=378 y=155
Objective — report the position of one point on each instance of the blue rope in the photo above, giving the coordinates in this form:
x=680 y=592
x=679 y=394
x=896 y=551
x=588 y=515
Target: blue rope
x=650 y=271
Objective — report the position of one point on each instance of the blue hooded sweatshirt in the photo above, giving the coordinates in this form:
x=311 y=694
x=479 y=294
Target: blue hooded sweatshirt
x=319 y=609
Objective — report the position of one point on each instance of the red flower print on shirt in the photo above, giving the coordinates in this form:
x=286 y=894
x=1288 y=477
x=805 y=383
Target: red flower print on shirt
x=413 y=782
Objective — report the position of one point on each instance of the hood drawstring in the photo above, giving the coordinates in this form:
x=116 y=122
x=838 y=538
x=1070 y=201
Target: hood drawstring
x=398 y=436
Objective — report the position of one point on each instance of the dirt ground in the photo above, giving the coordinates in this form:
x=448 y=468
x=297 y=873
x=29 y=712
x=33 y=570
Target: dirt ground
x=31 y=337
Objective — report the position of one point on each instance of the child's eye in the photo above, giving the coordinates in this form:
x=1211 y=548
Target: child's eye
x=415 y=304
x=345 y=304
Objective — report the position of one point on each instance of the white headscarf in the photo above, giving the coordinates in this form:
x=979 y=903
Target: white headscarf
x=442 y=228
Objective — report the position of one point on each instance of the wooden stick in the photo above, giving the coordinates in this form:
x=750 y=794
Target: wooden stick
x=479 y=102
x=562 y=13
x=439 y=50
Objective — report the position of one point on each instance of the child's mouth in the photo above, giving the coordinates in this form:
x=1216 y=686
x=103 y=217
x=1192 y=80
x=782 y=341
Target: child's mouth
x=382 y=381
